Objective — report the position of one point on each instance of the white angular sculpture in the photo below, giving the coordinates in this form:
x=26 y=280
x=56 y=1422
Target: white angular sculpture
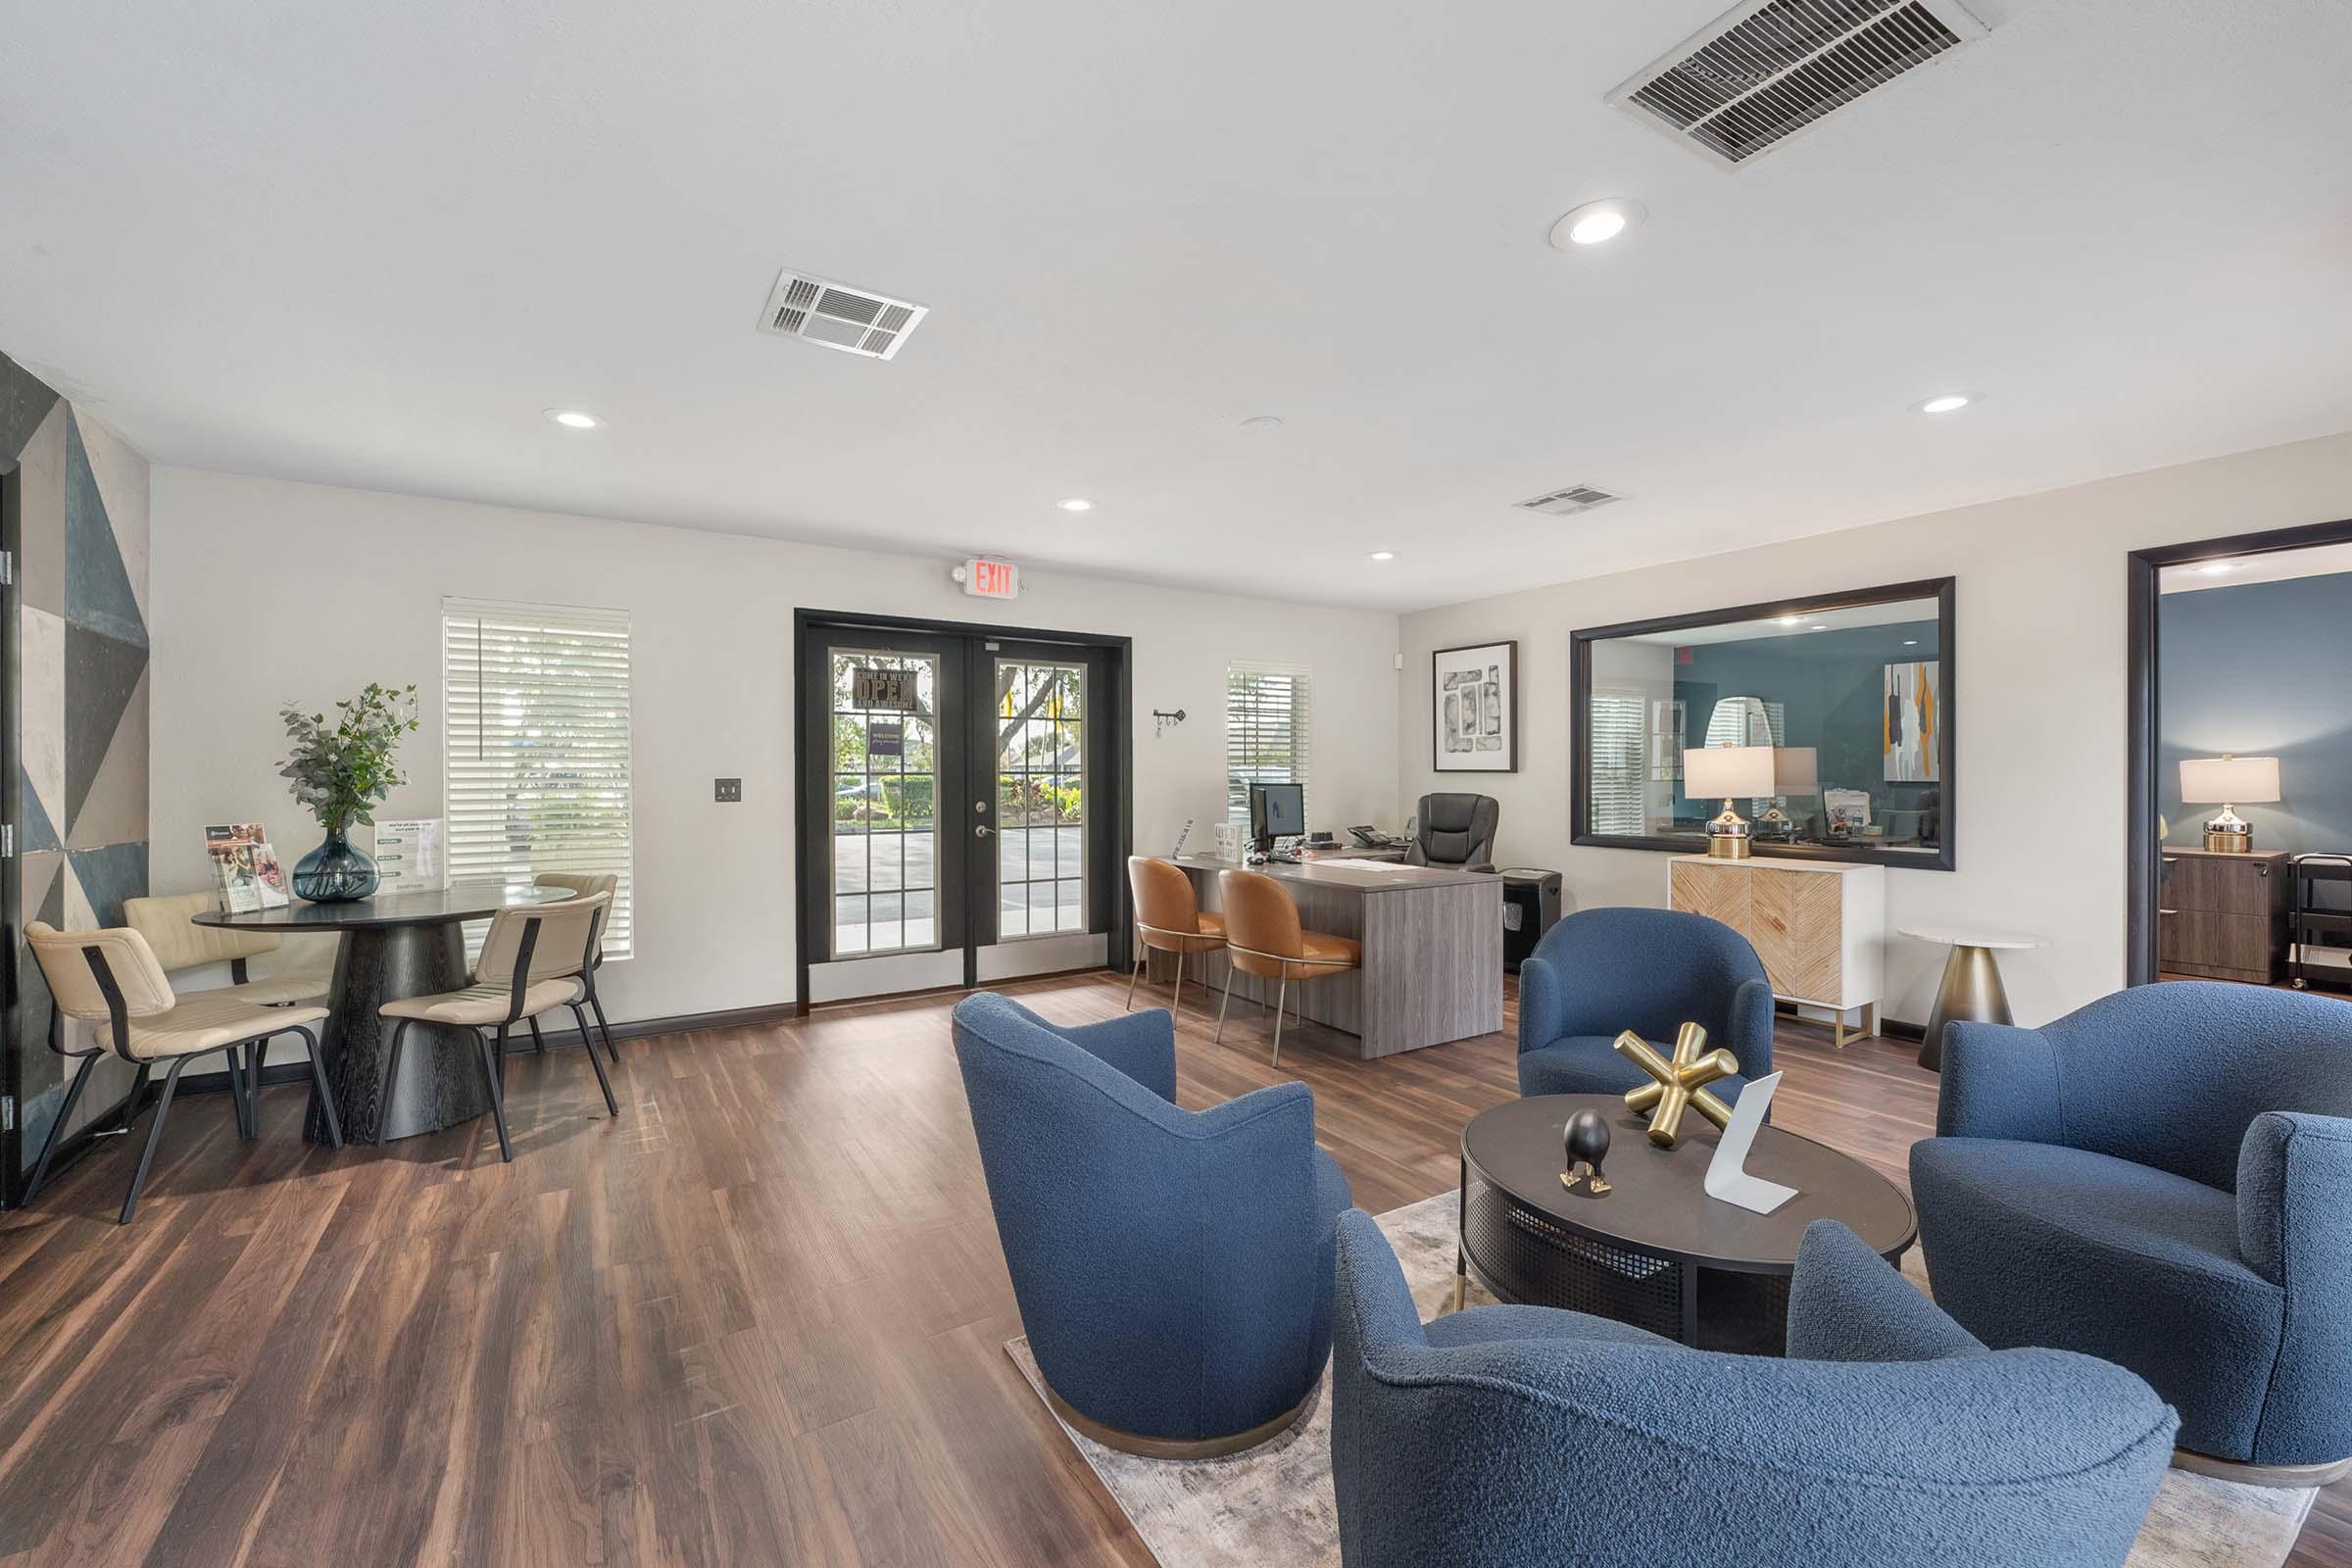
x=1727 y=1175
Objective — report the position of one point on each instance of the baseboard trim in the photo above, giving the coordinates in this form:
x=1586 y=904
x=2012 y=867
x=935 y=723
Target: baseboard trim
x=1890 y=1028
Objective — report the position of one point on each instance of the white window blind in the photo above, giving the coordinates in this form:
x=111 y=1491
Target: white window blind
x=1620 y=768
x=535 y=759
x=1270 y=716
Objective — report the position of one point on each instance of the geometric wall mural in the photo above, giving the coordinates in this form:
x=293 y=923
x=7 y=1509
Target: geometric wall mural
x=78 y=510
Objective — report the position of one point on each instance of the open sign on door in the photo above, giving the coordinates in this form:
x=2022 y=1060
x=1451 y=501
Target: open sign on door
x=891 y=690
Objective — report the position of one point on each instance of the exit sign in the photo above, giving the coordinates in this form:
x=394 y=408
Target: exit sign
x=992 y=579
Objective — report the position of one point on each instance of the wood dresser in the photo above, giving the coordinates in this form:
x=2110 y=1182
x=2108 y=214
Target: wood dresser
x=2222 y=915
x=1819 y=927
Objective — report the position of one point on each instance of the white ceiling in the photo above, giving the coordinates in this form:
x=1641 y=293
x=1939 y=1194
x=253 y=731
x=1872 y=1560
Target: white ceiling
x=367 y=244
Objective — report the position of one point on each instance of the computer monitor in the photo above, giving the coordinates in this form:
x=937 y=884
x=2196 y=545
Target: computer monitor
x=1276 y=811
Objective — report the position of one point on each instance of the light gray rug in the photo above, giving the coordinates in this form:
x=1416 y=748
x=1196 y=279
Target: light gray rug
x=1272 y=1506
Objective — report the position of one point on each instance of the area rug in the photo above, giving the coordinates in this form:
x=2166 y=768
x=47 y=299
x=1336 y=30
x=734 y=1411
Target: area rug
x=1272 y=1506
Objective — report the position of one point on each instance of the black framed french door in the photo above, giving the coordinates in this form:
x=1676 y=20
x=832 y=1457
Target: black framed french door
x=962 y=806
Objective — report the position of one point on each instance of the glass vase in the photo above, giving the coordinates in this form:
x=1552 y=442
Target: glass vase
x=334 y=872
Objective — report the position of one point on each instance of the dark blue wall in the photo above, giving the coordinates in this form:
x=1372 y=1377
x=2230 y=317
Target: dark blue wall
x=2262 y=669
x=1832 y=686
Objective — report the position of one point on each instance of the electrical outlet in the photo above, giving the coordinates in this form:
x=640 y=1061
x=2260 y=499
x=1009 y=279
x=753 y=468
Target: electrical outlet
x=726 y=789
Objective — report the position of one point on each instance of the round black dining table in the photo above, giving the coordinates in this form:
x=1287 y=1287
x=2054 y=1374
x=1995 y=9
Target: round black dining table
x=395 y=945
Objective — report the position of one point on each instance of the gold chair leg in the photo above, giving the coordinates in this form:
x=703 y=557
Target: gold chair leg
x=1227 y=1003
x=1140 y=954
x=1280 y=997
x=1176 y=1001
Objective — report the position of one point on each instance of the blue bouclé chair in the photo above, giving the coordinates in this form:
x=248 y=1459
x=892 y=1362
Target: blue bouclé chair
x=1173 y=1267
x=2162 y=1177
x=1531 y=1437
x=1599 y=972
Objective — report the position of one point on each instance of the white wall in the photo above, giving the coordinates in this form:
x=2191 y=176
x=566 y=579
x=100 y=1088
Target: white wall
x=266 y=592
x=2038 y=708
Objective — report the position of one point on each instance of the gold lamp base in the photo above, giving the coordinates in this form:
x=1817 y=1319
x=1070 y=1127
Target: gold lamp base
x=1728 y=835
x=2228 y=833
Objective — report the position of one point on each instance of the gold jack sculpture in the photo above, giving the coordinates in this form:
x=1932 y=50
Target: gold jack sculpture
x=1681 y=1083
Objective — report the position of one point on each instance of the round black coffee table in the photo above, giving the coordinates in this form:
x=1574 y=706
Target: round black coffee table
x=1657 y=1251
x=394 y=946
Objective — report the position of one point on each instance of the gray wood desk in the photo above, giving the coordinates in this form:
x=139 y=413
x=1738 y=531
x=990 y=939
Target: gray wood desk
x=1433 y=950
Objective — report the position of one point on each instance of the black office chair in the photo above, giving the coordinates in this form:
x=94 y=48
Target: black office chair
x=1455 y=830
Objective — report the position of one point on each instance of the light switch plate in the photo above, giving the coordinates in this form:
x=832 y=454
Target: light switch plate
x=726 y=789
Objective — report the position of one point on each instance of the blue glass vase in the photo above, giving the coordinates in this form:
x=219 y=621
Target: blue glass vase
x=334 y=872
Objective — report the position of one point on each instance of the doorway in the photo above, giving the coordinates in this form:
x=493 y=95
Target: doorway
x=2227 y=700
x=963 y=804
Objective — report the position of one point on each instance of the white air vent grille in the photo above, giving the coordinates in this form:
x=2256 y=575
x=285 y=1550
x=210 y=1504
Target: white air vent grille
x=1569 y=502
x=835 y=315
x=1773 y=67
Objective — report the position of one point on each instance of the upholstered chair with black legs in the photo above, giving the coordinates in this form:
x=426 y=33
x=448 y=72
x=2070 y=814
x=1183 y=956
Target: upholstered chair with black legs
x=1173 y=1267
x=532 y=962
x=1455 y=831
x=586 y=885
x=110 y=980
x=179 y=944
x=1601 y=972
x=1543 y=1438
x=2162 y=1178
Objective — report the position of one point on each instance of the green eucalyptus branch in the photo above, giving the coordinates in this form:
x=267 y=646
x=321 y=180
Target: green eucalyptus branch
x=341 y=771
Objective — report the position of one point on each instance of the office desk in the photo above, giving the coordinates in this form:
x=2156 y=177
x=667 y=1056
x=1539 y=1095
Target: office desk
x=1433 y=950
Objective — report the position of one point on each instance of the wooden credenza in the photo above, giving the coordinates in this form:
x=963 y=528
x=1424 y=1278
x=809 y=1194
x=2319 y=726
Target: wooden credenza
x=2222 y=916
x=1819 y=927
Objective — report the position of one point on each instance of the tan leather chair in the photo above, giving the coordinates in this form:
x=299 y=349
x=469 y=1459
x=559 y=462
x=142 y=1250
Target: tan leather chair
x=110 y=980
x=1263 y=938
x=531 y=963
x=585 y=885
x=1167 y=916
x=179 y=943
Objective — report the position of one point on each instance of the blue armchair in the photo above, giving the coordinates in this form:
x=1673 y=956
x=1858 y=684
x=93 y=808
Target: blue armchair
x=1603 y=971
x=2161 y=1179
x=1531 y=1437
x=1173 y=1267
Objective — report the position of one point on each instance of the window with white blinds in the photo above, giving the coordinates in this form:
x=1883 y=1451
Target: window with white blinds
x=1619 y=751
x=1268 y=719
x=536 y=765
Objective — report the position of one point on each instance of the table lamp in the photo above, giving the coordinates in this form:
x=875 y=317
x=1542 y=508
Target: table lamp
x=1795 y=770
x=2226 y=780
x=1727 y=771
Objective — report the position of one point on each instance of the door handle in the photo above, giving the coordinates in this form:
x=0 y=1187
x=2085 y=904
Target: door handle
x=981 y=830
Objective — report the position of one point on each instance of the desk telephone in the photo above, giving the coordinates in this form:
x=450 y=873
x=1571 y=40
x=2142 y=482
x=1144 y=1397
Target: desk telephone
x=1371 y=838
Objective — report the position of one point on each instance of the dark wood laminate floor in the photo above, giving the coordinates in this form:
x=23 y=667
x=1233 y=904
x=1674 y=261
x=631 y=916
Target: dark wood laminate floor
x=759 y=1320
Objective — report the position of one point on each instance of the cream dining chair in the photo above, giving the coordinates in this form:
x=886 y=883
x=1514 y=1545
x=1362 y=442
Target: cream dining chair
x=110 y=980
x=531 y=963
x=178 y=944
x=586 y=885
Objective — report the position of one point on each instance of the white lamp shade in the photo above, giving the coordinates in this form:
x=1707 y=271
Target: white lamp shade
x=1710 y=771
x=1795 y=770
x=2226 y=780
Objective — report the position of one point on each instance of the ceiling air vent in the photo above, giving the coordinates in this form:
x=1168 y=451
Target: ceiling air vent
x=1569 y=502
x=834 y=316
x=1769 y=68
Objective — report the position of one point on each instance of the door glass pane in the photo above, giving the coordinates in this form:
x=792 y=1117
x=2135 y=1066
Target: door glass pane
x=1041 y=797
x=885 y=802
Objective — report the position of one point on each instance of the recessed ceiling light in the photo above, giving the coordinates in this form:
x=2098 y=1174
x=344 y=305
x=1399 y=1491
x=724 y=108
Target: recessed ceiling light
x=573 y=419
x=1384 y=555
x=1262 y=423
x=2215 y=569
x=1817 y=626
x=1910 y=642
x=1947 y=402
x=1788 y=621
x=1596 y=222
x=1076 y=504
